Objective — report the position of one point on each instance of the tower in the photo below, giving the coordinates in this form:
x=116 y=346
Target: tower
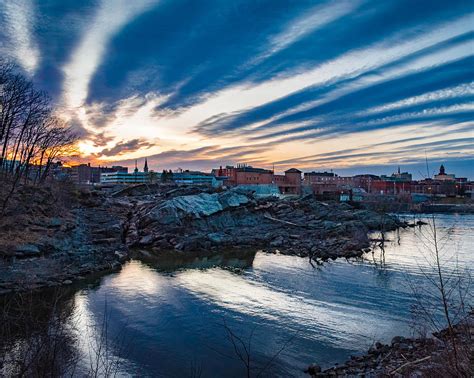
x=145 y=167
x=136 y=168
x=442 y=170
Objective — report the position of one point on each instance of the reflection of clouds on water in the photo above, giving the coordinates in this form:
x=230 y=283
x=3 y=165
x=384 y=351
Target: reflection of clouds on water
x=332 y=323
x=456 y=241
x=138 y=280
x=98 y=342
x=340 y=307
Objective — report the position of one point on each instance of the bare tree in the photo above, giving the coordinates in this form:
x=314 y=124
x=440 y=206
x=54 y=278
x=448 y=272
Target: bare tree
x=31 y=135
x=39 y=338
x=242 y=351
x=447 y=299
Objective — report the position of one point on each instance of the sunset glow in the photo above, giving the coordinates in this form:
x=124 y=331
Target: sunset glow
x=318 y=85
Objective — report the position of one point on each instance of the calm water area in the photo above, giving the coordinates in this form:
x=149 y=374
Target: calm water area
x=180 y=320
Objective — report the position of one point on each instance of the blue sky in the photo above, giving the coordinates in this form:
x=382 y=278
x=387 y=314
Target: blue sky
x=351 y=86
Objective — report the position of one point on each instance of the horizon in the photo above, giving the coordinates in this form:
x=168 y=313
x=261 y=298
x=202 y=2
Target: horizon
x=352 y=86
x=418 y=171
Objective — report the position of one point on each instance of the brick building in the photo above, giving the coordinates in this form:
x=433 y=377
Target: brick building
x=289 y=183
x=86 y=174
x=244 y=175
x=327 y=182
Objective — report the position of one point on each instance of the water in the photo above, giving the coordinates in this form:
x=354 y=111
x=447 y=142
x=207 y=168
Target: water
x=181 y=322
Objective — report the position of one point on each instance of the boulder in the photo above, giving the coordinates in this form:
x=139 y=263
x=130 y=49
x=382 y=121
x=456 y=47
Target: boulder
x=277 y=242
x=232 y=199
x=27 y=250
x=55 y=222
x=217 y=237
x=195 y=206
x=146 y=240
x=397 y=340
x=313 y=369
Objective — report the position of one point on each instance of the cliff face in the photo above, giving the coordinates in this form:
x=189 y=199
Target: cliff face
x=210 y=222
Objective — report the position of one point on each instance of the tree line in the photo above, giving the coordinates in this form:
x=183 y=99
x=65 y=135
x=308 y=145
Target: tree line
x=32 y=135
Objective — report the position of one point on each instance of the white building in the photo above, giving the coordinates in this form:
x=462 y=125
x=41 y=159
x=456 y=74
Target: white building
x=127 y=178
x=196 y=178
x=124 y=178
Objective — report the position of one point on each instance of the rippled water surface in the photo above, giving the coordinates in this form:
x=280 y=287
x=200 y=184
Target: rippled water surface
x=174 y=323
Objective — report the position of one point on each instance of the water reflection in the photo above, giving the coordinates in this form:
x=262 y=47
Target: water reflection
x=171 y=261
x=166 y=317
x=35 y=339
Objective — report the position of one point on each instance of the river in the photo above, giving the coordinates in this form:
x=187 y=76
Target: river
x=170 y=321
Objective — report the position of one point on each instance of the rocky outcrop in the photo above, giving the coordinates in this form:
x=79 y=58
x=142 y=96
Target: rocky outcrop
x=57 y=246
x=407 y=357
x=47 y=245
x=207 y=222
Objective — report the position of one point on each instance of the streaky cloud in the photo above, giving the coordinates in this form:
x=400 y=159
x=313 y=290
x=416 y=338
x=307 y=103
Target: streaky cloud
x=19 y=19
x=111 y=16
x=348 y=65
x=461 y=90
x=312 y=20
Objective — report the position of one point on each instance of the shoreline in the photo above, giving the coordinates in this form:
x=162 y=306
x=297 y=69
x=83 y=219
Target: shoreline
x=98 y=232
x=428 y=356
x=129 y=208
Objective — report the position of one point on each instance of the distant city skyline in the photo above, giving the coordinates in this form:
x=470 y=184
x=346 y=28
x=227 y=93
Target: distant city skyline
x=354 y=86
x=418 y=171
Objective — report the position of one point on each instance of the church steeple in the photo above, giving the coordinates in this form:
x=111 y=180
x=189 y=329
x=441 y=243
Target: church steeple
x=145 y=167
x=442 y=170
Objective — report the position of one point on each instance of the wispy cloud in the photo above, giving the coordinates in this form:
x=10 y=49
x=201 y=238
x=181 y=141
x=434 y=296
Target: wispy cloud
x=19 y=18
x=124 y=147
x=312 y=20
x=355 y=82
x=111 y=16
x=346 y=66
x=462 y=90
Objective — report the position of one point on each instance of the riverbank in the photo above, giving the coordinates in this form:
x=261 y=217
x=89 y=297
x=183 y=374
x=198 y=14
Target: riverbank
x=435 y=206
x=422 y=357
x=209 y=222
x=174 y=308
x=54 y=236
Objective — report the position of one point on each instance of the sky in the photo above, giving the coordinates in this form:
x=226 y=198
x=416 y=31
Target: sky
x=351 y=86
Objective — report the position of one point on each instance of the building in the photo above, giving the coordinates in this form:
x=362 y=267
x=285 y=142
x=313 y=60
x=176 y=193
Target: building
x=365 y=181
x=124 y=178
x=390 y=187
x=323 y=183
x=312 y=178
x=242 y=174
x=197 y=178
x=398 y=177
x=318 y=177
x=443 y=176
x=329 y=185
x=442 y=184
x=290 y=182
x=86 y=174
x=121 y=176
